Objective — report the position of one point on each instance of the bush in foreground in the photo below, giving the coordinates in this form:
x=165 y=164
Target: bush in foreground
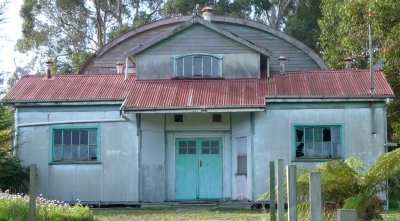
x=16 y=207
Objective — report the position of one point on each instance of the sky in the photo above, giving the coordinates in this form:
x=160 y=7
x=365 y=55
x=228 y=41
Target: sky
x=10 y=32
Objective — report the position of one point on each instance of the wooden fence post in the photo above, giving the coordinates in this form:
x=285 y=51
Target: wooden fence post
x=272 y=198
x=347 y=215
x=315 y=197
x=291 y=192
x=281 y=190
x=32 y=193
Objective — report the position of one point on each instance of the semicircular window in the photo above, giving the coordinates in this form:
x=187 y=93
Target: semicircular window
x=198 y=65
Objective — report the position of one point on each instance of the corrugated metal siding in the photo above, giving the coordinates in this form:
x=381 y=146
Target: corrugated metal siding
x=196 y=93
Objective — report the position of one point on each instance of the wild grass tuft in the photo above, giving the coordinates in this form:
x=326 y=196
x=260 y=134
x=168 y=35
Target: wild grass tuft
x=15 y=207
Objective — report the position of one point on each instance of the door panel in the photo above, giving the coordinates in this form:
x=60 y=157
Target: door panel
x=186 y=169
x=210 y=171
x=198 y=168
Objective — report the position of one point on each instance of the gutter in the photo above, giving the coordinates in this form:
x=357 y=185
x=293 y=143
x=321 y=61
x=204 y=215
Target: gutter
x=294 y=99
x=61 y=101
x=71 y=122
x=189 y=109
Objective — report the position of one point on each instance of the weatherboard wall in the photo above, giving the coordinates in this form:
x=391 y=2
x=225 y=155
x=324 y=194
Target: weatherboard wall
x=238 y=61
x=297 y=59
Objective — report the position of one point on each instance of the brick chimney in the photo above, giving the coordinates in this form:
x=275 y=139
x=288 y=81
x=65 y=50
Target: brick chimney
x=207 y=12
x=49 y=63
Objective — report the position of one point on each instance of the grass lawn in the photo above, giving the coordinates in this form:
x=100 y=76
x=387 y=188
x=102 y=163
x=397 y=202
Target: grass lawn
x=194 y=213
x=176 y=213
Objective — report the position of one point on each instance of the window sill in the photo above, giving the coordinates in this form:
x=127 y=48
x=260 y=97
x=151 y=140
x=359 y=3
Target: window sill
x=315 y=160
x=241 y=174
x=74 y=162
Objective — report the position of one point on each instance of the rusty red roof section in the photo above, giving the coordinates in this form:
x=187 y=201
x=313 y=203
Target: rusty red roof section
x=196 y=93
x=328 y=84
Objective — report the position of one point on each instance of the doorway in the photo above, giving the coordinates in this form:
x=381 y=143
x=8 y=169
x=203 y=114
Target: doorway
x=198 y=168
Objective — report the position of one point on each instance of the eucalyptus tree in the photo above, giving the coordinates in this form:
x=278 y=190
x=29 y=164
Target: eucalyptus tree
x=71 y=30
x=344 y=33
x=302 y=24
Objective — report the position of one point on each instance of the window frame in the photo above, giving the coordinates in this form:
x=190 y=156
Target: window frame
x=193 y=75
x=342 y=141
x=72 y=128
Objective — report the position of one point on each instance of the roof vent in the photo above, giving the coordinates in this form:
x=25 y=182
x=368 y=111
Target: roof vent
x=207 y=12
x=282 y=61
x=348 y=61
x=120 y=67
x=49 y=63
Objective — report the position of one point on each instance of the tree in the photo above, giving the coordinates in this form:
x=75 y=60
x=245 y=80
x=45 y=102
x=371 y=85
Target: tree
x=273 y=12
x=237 y=8
x=303 y=24
x=70 y=30
x=344 y=32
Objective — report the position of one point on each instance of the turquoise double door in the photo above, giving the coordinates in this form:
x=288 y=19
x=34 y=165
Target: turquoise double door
x=198 y=168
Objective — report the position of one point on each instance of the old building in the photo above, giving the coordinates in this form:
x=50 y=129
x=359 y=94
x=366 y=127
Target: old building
x=195 y=110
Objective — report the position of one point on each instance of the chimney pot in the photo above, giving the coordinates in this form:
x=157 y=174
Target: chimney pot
x=348 y=62
x=207 y=12
x=120 y=67
x=282 y=61
x=49 y=63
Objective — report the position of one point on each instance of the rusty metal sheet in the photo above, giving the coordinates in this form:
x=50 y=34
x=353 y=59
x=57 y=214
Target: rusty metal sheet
x=195 y=92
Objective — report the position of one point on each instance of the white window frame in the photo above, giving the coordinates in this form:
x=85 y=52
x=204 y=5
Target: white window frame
x=202 y=75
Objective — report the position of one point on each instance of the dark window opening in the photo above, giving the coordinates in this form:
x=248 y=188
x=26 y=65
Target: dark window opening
x=217 y=118
x=242 y=164
x=178 y=118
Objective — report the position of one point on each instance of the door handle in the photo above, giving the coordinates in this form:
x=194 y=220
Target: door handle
x=201 y=163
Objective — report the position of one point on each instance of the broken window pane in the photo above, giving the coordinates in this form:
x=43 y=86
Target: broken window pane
x=93 y=152
x=318 y=142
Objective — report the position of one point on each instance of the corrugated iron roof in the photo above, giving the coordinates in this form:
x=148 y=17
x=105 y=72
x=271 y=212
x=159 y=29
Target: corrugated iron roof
x=344 y=83
x=195 y=93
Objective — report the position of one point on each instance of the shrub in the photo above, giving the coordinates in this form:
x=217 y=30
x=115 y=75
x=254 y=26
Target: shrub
x=16 y=207
x=12 y=173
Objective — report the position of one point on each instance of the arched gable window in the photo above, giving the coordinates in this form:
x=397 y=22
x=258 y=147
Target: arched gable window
x=198 y=65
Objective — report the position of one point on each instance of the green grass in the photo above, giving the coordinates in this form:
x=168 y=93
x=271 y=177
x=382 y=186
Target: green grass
x=15 y=208
x=391 y=215
x=172 y=213
x=195 y=213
